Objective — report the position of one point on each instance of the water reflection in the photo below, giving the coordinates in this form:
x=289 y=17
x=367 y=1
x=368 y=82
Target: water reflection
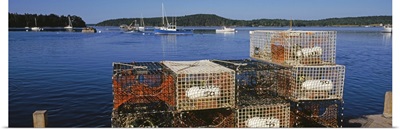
x=226 y=33
x=69 y=30
x=168 y=43
x=386 y=39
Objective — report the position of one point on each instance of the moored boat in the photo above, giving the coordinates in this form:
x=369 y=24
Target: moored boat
x=89 y=30
x=69 y=24
x=36 y=28
x=170 y=28
x=225 y=29
x=387 y=29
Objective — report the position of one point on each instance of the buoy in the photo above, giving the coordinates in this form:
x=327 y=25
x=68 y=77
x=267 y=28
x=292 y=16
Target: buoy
x=257 y=122
x=322 y=84
x=202 y=92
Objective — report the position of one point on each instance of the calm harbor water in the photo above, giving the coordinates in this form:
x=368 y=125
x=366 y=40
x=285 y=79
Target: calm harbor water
x=69 y=73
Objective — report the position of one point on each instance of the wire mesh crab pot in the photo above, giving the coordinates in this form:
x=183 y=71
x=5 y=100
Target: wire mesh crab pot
x=202 y=85
x=253 y=77
x=291 y=48
x=142 y=82
x=302 y=83
x=323 y=113
x=263 y=112
x=211 y=118
x=151 y=114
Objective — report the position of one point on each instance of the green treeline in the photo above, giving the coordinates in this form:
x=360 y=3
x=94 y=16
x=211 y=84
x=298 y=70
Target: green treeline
x=214 y=20
x=51 y=20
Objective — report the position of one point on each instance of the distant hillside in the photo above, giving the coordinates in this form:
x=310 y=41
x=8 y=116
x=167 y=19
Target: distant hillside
x=51 y=20
x=214 y=20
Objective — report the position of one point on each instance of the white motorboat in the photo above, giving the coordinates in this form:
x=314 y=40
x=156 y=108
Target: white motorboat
x=387 y=29
x=225 y=29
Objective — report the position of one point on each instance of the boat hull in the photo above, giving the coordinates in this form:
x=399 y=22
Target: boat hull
x=177 y=32
x=36 y=29
x=225 y=30
x=387 y=30
x=68 y=27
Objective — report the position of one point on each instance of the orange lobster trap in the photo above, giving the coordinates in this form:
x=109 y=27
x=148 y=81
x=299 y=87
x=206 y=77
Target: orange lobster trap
x=142 y=82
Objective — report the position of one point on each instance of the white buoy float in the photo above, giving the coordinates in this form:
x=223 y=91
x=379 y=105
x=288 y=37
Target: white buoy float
x=202 y=92
x=258 y=122
x=322 y=84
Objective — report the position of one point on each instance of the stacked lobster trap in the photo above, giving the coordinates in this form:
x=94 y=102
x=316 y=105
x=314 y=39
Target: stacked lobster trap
x=257 y=102
x=205 y=94
x=173 y=94
x=312 y=77
x=303 y=83
x=143 y=95
x=294 y=47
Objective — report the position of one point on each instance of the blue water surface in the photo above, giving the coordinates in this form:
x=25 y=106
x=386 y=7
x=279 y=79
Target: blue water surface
x=69 y=73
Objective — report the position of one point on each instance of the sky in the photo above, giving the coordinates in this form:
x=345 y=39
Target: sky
x=95 y=11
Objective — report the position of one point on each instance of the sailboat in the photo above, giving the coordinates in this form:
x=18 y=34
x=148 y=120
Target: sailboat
x=141 y=25
x=169 y=28
x=69 y=24
x=36 y=28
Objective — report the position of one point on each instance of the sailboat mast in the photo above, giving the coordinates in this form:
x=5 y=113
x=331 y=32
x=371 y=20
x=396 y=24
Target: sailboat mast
x=69 y=21
x=162 y=10
x=35 y=23
x=141 y=20
x=166 y=17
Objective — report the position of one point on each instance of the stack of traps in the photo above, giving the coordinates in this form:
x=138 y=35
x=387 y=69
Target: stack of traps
x=195 y=94
x=312 y=75
x=310 y=58
x=292 y=67
x=157 y=89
